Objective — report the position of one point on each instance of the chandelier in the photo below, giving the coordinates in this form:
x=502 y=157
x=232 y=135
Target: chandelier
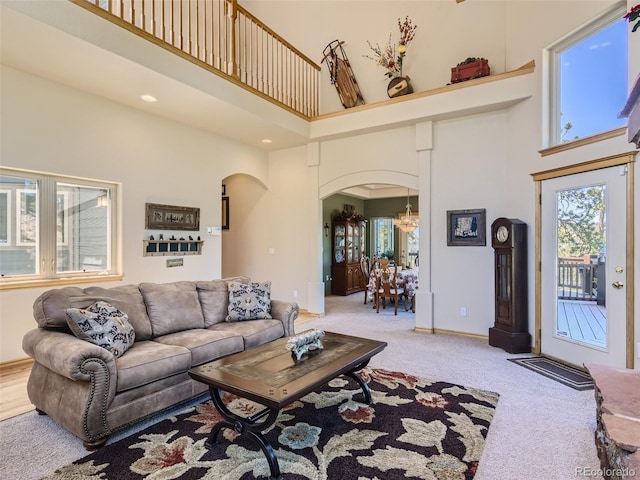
x=407 y=222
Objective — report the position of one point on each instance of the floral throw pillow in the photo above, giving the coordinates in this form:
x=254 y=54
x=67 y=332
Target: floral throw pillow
x=104 y=325
x=249 y=301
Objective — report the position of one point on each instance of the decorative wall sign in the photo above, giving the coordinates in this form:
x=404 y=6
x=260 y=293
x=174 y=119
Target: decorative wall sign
x=175 y=262
x=466 y=227
x=170 y=217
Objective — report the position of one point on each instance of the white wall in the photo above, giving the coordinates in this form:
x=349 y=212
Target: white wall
x=51 y=128
x=483 y=161
x=268 y=238
x=477 y=162
x=448 y=33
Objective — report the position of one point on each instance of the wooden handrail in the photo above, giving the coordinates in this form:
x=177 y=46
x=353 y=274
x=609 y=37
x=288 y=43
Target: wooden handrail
x=226 y=39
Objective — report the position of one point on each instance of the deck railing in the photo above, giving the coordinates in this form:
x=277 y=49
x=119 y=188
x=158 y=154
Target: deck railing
x=225 y=38
x=577 y=280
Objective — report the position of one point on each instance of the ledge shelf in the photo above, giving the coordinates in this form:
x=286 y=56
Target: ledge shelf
x=151 y=248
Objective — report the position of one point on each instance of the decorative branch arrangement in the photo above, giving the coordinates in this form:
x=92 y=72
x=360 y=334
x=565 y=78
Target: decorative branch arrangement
x=633 y=15
x=392 y=57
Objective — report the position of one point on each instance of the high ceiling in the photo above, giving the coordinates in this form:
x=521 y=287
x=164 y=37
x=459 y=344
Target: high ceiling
x=54 y=40
x=65 y=53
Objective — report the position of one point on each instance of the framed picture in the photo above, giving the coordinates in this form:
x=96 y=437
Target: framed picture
x=224 y=189
x=225 y=213
x=170 y=217
x=467 y=227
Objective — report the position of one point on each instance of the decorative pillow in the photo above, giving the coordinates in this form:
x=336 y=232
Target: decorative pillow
x=249 y=301
x=104 y=325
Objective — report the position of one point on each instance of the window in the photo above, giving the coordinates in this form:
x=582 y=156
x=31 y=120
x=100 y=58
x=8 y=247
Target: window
x=410 y=246
x=5 y=226
x=588 y=79
x=383 y=237
x=63 y=226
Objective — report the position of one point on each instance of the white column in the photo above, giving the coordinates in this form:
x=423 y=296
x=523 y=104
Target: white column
x=315 y=287
x=424 y=295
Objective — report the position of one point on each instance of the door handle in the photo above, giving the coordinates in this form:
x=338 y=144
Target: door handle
x=617 y=284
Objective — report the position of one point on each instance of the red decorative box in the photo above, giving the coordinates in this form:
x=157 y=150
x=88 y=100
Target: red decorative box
x=478 y=67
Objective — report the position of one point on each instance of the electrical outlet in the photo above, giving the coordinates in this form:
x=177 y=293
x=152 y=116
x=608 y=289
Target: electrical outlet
x=295 y=294
x=463 y=311
x=327 y=279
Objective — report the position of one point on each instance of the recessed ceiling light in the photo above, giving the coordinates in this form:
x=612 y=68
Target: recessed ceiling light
x=266 y=140
x=148 y=98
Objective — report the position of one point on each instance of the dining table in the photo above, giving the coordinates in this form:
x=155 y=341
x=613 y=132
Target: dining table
x=407 y=278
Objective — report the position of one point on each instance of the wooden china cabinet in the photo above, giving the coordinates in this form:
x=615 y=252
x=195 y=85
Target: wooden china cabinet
x=348 y=242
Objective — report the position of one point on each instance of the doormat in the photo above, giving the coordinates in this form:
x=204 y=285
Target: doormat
x=569 y=376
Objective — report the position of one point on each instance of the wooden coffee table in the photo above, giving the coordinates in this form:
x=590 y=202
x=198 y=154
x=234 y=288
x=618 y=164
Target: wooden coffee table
x=271 y=376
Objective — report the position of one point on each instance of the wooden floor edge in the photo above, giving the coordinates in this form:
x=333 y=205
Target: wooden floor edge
x=451 y=332
x=13 y=365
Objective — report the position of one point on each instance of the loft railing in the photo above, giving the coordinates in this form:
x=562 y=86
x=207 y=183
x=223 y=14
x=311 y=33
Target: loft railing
x=226 y=39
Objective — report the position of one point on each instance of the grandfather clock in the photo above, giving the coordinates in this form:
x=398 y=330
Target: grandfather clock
x=509 y=241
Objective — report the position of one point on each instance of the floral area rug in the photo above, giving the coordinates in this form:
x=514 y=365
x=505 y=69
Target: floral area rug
x=417 y=429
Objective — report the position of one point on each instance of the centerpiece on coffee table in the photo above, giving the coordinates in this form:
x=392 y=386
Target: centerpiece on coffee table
x=305 y=341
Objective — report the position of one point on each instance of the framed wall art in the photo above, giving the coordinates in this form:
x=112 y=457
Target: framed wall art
x=170 y=217
x=467 y=227
x=225 y=213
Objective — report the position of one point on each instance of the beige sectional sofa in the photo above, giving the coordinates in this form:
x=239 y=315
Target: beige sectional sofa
x=92 y=393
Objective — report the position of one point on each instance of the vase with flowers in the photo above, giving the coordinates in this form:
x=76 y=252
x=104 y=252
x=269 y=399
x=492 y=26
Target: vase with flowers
x=391 y=58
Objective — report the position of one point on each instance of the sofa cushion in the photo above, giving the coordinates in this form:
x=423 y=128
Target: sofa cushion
x=249 y=301
x=104 y=325
x=148 y=361
x=205 y=345
x=214 y=300
x=50 y=308
x=126 y=298
x=172 y=307
x=254 y=332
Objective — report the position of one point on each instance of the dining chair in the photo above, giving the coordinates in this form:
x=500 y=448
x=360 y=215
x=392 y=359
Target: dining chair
x=387 y=287
x=366 y=272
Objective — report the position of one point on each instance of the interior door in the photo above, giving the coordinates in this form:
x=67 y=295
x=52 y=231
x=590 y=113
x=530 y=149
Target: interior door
x=583 y=302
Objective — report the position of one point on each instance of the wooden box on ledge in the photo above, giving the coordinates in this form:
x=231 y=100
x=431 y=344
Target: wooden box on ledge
x=469 y=69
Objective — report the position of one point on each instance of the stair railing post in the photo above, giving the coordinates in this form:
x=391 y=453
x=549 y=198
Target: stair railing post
x=232 y=14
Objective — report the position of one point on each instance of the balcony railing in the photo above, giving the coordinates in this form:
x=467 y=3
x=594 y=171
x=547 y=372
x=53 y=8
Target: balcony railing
x=226 y=39
x=578 y=280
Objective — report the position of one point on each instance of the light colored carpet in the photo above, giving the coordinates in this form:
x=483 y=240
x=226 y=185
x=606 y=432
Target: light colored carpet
x=542 y=429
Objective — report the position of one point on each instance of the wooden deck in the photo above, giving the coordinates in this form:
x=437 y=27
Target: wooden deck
x=583 y=321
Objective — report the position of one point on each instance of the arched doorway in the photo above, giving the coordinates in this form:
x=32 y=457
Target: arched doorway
x=378 y=204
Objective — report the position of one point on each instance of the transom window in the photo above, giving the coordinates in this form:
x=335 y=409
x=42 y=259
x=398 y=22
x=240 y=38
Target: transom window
x=52 y=226
x=588 y=79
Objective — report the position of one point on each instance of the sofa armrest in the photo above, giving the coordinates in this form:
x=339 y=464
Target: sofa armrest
x=71 y=357
x=286 y=312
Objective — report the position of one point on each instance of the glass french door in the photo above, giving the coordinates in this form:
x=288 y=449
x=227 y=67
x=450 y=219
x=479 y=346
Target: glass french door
x=583 y=257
